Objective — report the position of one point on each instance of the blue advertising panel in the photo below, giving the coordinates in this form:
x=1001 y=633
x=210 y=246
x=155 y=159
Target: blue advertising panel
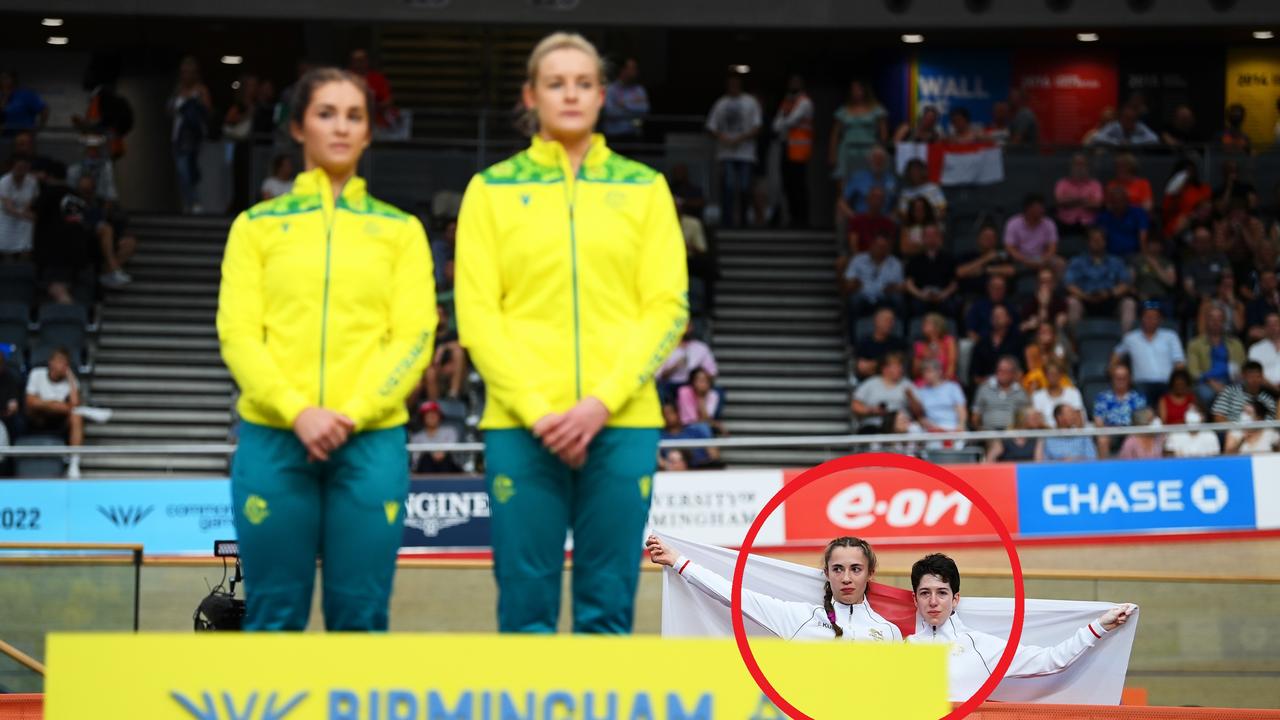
x=974 y=80
x=1136 y=495
x=446 y=513
x=33 y=511
x=166 y=516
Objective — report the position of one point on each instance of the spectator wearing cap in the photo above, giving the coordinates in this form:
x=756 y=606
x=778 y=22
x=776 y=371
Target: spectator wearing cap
x=98 y=165
x=1098 y=284
x=1154 y=353
x=1214 y=358
x=999 y=399
x=1031 y=238
x=434 y=431
x=1251 y=388
x=1115 y=406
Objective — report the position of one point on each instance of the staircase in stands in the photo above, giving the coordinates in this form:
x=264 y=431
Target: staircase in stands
x=156 y=364
x=779 y=343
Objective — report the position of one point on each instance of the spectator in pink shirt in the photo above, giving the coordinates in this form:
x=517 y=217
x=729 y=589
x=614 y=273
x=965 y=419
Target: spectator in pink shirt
x=1078 y=196
x=699 y=401
x=688 y=356
x=1032 y=239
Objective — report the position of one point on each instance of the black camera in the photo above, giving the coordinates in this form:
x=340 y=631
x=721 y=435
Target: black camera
x=221 y=610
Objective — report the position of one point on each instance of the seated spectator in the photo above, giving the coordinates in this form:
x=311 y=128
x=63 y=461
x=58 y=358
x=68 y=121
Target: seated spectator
x=1153 y=353
x=385 y=114
x=1237 y=235
x=1098 y=284
x=673 y=460
x=1067 y=448
x=1233 y=138
x=1266 y=352
x=63 y=237
x=1124 y=225
x=1018 y=449
x=280 y=181
x=21 y=108
x=873 y=280
x=1000 y=398
x=1191 y=443
x=1031 y=238
x=1048 y=346
x=931 y=283
x=1214 y=358
x=1174 y=404
x=1251 y=440
x=1266 y=258
x=1136 y=187
x=1226 y=300
x=978 y=320
x=18 y=192
x=53 y=394
x=1114 y=407
x=866 y=224
x=96 y=164
x=1078 y=196
x=1048 y=304
x=962 y=129
x=870 y=351
x=1234 y=189
x=449 y=363
x=935 y=345
x=1155 y=279
x=109 y=227
x=1184 y=192
x=673 y=429
x=433 y=431
x=878 y=175
x=1203 y=214
x=976 y=268
x=1204 y=265
x=919 y=185
x=1143 y=446
x=700 y=401
x=1251 y=388
x=1003 y=339
x=925 y=130
x=1182 y=131
x=1056 y=390
x=1105 y=118
x=688 y=356
x=1126 y=131
x=937 y=402
x=690 y=200
x=1024 y=128
x=920 y=215
x=24 y=145
x=877 y=400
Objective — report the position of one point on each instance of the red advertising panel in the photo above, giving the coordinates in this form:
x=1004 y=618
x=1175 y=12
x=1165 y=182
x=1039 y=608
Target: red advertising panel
x=1066 y=92
x=885 y=504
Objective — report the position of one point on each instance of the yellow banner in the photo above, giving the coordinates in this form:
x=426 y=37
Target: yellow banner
x=1253 y=80
x=480 y=677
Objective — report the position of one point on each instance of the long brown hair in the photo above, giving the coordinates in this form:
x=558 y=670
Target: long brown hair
x=849 y=542
x=314 y=78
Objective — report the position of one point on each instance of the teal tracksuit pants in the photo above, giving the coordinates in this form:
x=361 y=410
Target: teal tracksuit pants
x=348 y=510
x=535 y=499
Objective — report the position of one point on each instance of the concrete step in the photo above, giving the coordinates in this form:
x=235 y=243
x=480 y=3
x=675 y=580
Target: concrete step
x=772 y=351
x=787 y=427
x=802 y=343
x=115 y=313
x=166 y=401
x=162 y=465
x=154 y=357
x=798 y=250
x=786 y=458
x=172 y=417
x=124 y=299
x=764 y=297
x=766 y=330
x=165 y=329
x=736 y=410
x=135 y=342
x=167 y=388
x=772 y=261
x=203 y=248
x=181 y=289
x=164 y=259
x=734 y=383
x=816 y=273
x=180 y=222
x=774 y=235
x=785 y=396
x=830 y=314
x=161 y=274
x=158 y=433
x=779 y=370
x=111 y=370
x=774 y=288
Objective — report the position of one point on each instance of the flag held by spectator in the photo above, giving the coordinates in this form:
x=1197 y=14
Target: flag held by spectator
x=951 y=163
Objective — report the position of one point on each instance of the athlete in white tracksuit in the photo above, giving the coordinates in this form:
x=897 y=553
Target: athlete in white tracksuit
x=845 y=614
x=935 y=580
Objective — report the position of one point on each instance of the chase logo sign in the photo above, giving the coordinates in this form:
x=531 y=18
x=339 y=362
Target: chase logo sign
x=125 y=516
x=225 y=705
x=1125 y=496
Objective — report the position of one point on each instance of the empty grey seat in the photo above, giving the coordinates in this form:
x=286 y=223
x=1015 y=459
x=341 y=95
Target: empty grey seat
x=866 y=326
x=45 y=467
x=17 y=283
x=1093 y=369
x=954 y=456
x=1096 y=349
x=13 y=326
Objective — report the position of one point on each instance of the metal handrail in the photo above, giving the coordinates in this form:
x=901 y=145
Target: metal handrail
x=721 y=442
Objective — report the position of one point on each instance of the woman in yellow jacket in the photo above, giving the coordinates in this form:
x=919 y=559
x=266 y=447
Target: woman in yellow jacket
x=571 y=291
x=325 y=317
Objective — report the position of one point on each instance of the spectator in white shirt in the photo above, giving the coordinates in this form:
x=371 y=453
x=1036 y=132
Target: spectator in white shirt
x=52 y=397
x=872 y=280
x=1266 y=351
x=1154 y=353
x=1126 y=131
x=280 y=182
x=18 y=191
x=734 y=121
x=1251 y=440
x=1192 y=443
x=1058 y=390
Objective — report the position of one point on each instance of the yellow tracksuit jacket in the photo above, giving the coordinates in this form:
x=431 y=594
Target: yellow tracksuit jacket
x=326 y=304
x=569 y=286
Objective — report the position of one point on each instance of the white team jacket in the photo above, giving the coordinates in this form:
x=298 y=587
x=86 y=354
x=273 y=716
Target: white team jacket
x=794 y=620
x=975 y=654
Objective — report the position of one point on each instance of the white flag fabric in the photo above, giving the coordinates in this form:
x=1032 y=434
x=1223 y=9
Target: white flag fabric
x=1097 y=678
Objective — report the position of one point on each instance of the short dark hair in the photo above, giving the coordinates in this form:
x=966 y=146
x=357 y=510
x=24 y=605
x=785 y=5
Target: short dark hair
x=936 y=564
x=314 y=78
x=61 y=350
x=1260 y=411
x=1059 y=409
x=1253 y=365
x=1032 y=199
x=1180 y=374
